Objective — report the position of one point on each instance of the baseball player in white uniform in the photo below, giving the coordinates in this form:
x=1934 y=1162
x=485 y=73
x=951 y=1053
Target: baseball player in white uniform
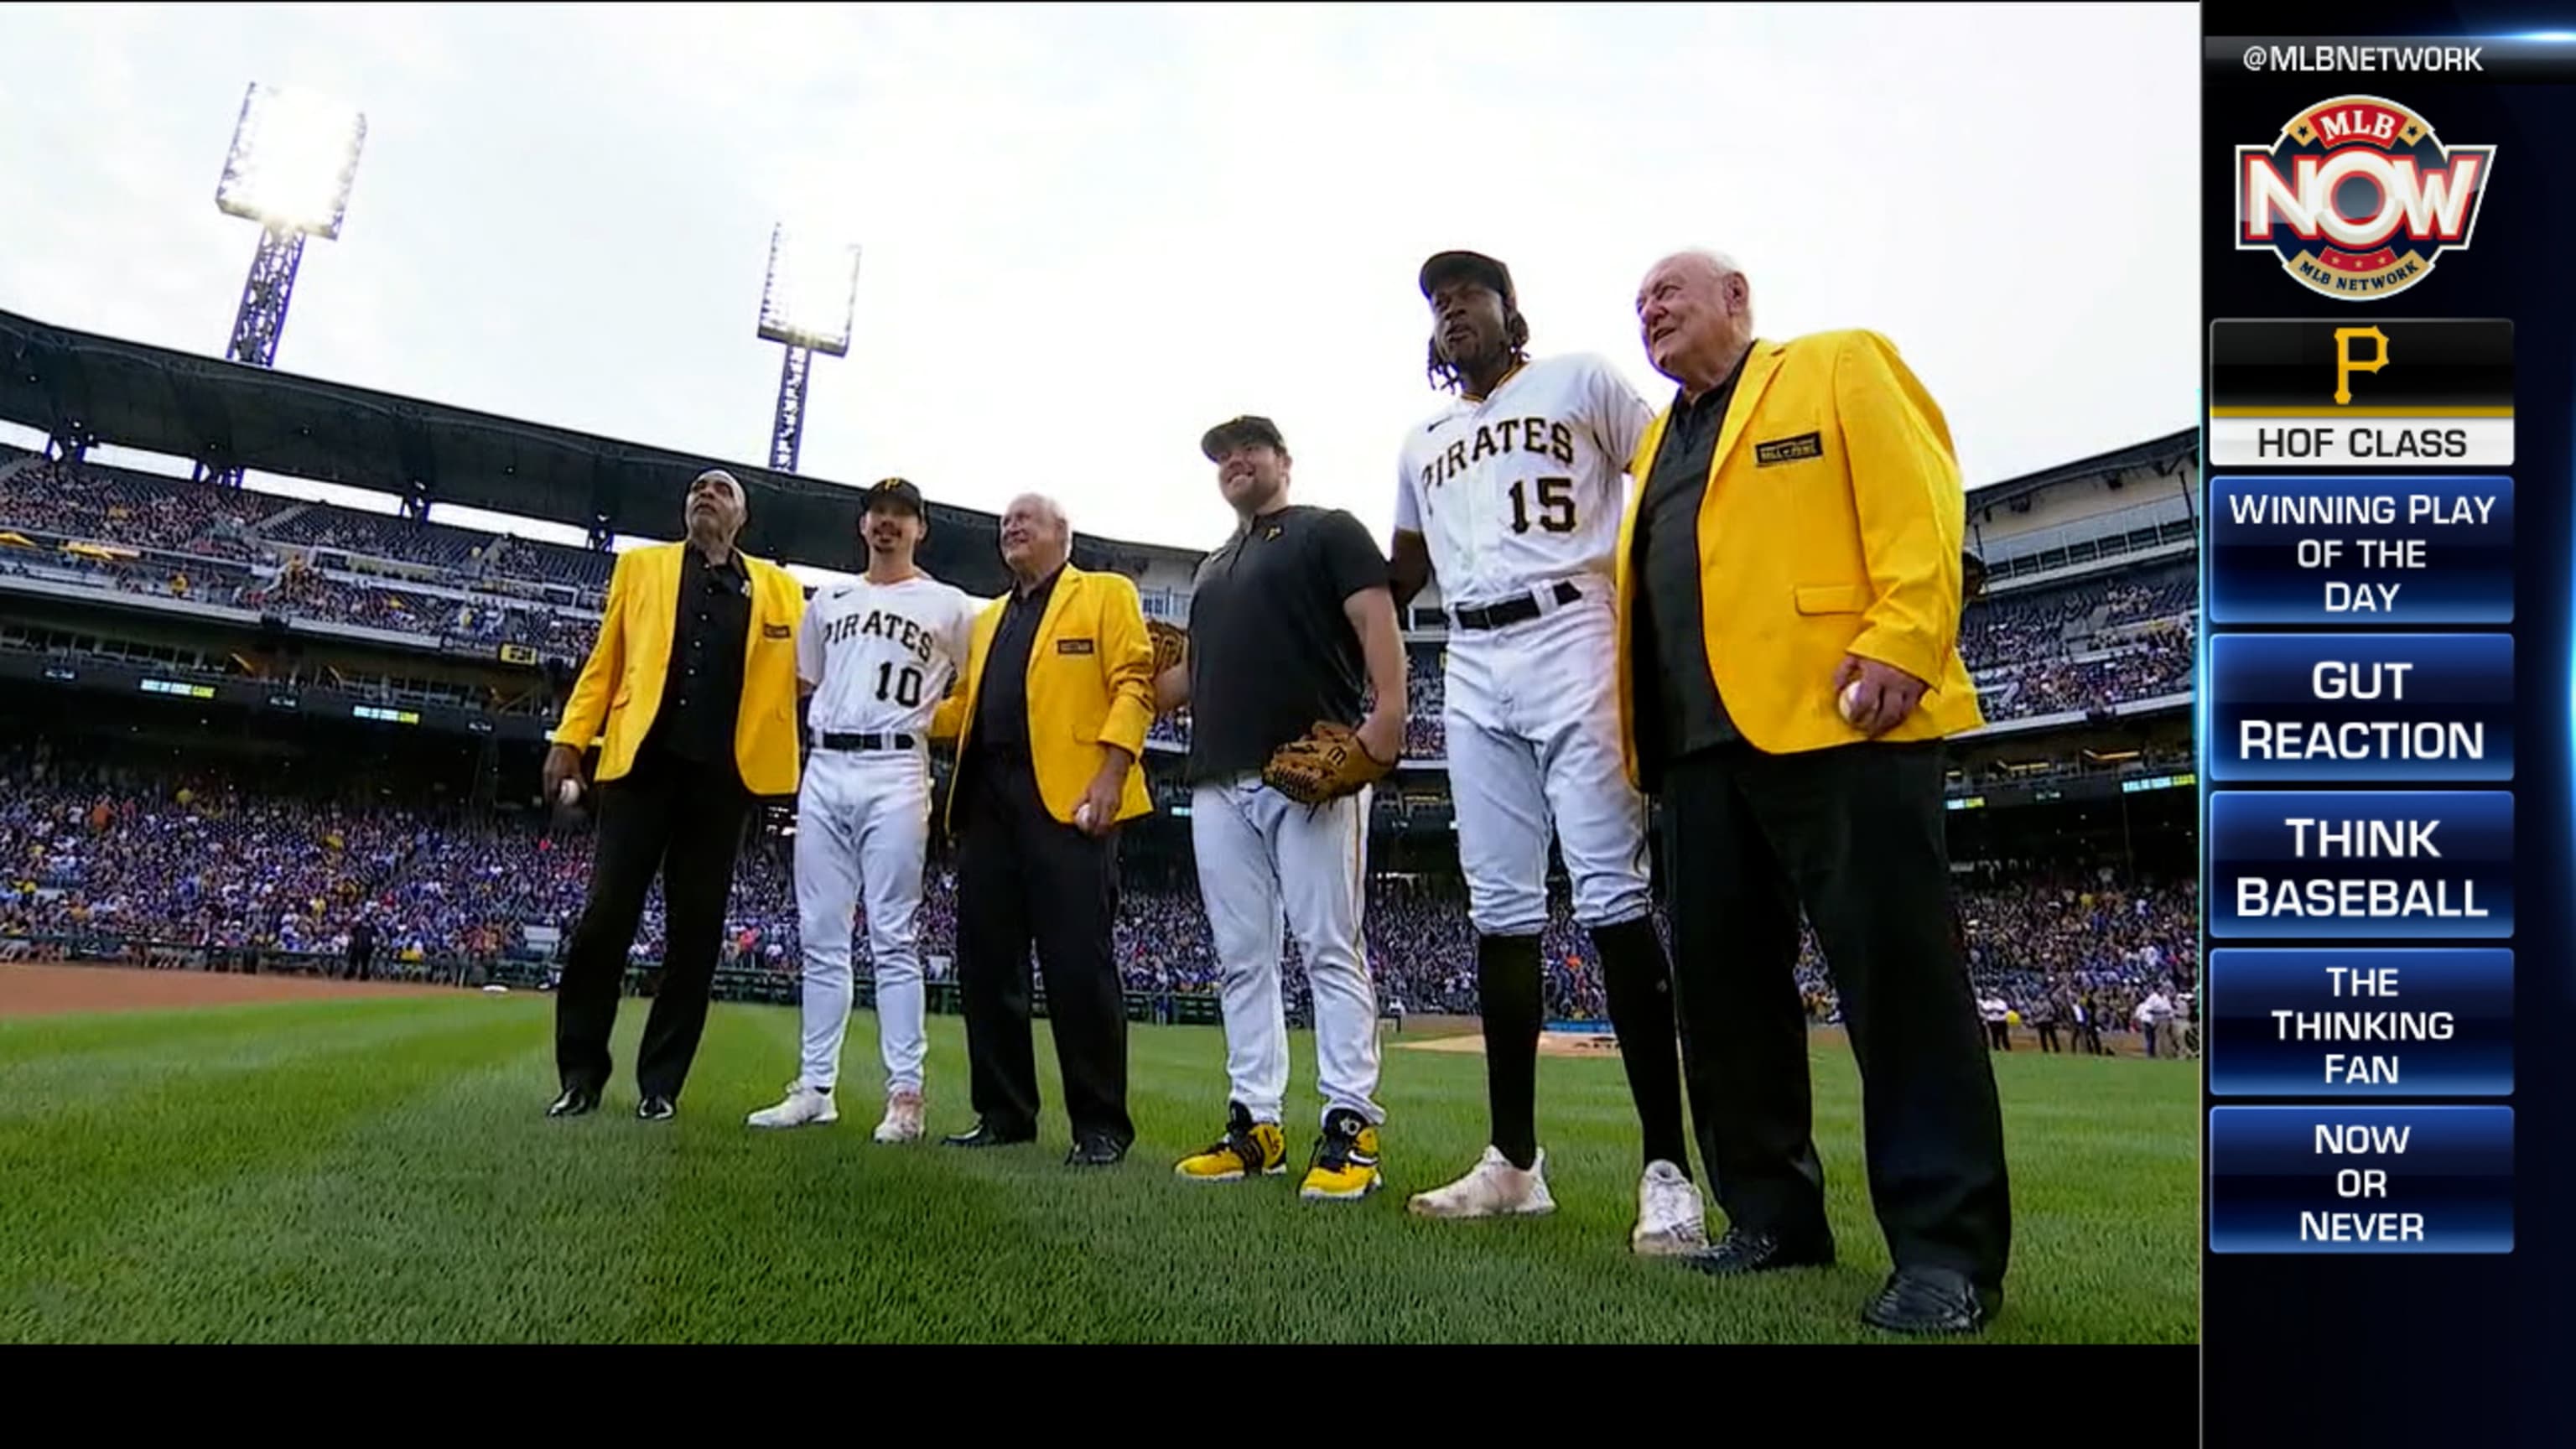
x=1512 y=494
x=875 y=656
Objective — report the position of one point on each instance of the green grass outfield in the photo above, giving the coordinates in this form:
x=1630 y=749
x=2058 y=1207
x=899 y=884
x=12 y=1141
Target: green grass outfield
x=381 y=1170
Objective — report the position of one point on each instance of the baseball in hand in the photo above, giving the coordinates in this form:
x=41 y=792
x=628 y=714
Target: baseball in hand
x=1851 y=702
x=568 y=793
x=1082 y=816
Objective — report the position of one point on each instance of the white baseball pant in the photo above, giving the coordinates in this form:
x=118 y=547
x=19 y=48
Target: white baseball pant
x=1532 y=711
x=1260 y=853
x=862 y=828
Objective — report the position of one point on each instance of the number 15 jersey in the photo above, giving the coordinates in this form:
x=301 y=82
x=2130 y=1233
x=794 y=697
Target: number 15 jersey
x=880 y=655
x=1524 y=487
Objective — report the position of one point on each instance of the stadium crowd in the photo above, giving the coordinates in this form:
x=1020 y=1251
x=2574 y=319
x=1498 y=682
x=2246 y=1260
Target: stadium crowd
x=204 y=860
x=2083 y=956
x=2068 y=647
x=2157 y=664
x=133 y=510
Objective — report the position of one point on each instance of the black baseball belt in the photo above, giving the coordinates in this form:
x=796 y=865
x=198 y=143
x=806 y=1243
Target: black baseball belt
x=869 y=742
x=1512 y=611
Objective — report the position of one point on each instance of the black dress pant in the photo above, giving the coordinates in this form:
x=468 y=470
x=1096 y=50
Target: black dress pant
x=682 y=821
x=1023 y=879
x=1854 y=836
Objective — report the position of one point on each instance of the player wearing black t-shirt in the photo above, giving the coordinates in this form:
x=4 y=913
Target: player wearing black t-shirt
x=1291 y=623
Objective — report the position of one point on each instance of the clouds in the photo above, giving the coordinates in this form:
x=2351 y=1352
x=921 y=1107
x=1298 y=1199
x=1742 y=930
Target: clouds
x=1088 y=232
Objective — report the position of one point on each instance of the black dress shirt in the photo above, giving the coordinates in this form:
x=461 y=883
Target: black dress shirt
x=702 y=688
x=1678 y=709
x=1001 y=725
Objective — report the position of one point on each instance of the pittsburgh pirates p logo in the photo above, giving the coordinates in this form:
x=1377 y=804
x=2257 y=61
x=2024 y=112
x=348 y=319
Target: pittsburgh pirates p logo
x=2346 y=364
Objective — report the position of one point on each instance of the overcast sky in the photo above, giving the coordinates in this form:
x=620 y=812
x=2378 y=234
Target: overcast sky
x=1091 y=231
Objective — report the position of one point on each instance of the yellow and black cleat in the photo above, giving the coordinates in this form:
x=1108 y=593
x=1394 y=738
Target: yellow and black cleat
x=1346 y=1162
x=1248 y=1149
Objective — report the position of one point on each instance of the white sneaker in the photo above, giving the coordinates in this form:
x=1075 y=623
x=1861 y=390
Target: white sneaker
x=1493 y=1188
x=803 y=1105
x=1671 y=1218
x=902 y=1118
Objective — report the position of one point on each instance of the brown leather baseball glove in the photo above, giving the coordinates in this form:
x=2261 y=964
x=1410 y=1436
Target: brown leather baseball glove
x=1324 y=764
x=1171 y=646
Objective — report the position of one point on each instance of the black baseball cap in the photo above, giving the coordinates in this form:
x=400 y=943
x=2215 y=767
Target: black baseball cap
x=894 y=493
x=1476 y=267
x=1226 y=436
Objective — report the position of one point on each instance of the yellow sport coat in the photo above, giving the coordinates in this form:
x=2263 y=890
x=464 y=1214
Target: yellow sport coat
x=1090 y=684
x=620 y=689
x=1832 y=525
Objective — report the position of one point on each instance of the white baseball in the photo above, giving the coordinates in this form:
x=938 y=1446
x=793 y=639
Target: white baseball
x=1082 y=816
x=569 y=792
x=1851 y=702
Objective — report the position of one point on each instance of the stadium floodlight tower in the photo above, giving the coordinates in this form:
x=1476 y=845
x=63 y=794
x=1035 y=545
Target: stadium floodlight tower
x=807 y=304
x=292 y=161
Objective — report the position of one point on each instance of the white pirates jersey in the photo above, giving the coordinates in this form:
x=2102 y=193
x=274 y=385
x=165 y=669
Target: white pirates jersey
x=880 y=656
x=1524 y=487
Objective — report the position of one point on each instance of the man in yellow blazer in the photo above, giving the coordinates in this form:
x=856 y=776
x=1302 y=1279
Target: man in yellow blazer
x=690 y=693
x=1789 y=597
x=1049 y=724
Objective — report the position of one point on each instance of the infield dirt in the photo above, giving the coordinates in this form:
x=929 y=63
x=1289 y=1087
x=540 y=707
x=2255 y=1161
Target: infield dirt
x=51 y=990
x=58 y=990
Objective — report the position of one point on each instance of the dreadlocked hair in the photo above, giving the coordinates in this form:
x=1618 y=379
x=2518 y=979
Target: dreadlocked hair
x=1447 y=378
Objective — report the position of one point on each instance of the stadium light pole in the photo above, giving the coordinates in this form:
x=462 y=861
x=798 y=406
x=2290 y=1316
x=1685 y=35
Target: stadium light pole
x=293 y=159
x=807 y=305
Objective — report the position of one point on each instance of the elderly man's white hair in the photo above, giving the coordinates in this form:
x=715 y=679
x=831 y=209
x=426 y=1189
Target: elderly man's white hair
x=1053 y=512
x=1719 y=264
x=1719 y=261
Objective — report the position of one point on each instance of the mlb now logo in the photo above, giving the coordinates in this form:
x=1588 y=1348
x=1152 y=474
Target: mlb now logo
x=2425 y=205
x=2357 y=197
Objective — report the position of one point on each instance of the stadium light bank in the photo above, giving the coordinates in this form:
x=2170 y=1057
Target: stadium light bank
x=294 y=157
x=807 y=304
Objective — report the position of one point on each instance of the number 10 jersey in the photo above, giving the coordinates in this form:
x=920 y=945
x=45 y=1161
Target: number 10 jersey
x=1524 y=487
x=880 y=656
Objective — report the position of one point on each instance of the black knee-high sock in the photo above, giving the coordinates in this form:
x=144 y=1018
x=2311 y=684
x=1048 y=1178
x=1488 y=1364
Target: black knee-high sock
x=1639 y=979
x=1508 y=991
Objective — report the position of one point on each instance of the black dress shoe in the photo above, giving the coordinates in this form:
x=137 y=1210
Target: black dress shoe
x=574 y=1102
x=1932 y=1300
x=1092 y=1149
x=985 y=1136
x=1749 y=1252
x=657 y=1109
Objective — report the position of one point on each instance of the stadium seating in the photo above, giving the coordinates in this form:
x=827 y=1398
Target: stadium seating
x=2084 y=645
x=378 y=535
x=134 y=510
